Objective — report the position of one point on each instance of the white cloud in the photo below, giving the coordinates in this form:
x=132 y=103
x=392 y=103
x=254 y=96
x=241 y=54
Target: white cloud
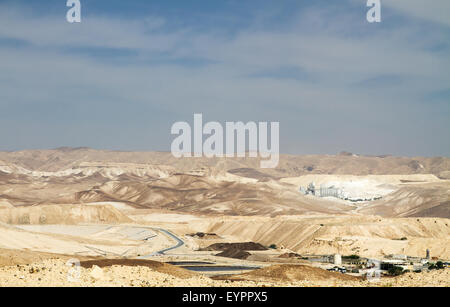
x=46 y=74
x=432 y=10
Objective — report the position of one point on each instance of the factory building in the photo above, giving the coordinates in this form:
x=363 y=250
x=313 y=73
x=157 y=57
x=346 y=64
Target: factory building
x=323 y=191
x=333 y=191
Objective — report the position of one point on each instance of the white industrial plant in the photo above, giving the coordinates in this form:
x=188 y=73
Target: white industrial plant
x=333 y=191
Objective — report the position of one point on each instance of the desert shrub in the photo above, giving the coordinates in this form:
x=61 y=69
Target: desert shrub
x=402 y=239
x=42 y=219
x=436 y=266
x=24 y=219
x=273 y=246
x=396 y=271
x=352 y=257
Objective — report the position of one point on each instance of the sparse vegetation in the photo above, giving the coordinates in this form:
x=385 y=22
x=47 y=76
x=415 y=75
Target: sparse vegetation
x=24 y=219
x=402 y=239
x=436 y=266
x=396 y=271
x=273 y=246
x=42 y=219
x=351 y=257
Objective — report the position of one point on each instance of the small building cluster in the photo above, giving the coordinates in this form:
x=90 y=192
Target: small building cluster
x=360 y=265
x=332 y=191
x=323 y=191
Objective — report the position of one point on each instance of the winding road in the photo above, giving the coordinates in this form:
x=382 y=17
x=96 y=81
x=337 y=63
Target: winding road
x=163 y=251
x=178 y=240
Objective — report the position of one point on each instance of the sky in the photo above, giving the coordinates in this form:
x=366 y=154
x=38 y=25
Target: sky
x=119 y=79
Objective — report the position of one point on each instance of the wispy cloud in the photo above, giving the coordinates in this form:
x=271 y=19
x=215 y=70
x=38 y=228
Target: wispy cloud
x=435 y=11
x=332 y=80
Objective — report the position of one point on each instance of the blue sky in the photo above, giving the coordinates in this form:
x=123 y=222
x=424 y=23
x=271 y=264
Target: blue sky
x=122 y=77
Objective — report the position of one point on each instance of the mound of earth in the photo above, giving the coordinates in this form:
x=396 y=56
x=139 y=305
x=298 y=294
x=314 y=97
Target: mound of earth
x=290 y=255
x=62 y=214
x=292 y=272
x=234 y=253
x=235 y=250
x=154 y=265
x=246 y=246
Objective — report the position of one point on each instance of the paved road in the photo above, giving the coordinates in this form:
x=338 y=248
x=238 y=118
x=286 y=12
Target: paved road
x=163 y=251
x=141 y=234
x=179 y=241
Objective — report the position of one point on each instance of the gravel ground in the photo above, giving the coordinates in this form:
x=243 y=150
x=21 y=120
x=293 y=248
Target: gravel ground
x=55 y=272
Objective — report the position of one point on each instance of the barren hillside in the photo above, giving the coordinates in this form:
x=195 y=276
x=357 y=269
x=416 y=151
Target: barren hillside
x=156 y=180
x=366 y=236
x=289 y=166
x=62 y=214
x=432 y=199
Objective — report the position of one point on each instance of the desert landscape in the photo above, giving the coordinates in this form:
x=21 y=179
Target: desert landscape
x=85 y=217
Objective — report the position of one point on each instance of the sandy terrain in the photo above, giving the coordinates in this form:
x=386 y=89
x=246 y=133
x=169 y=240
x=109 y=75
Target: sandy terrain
x=366 y=236
x=67 y=214
x=290 y=166
x=103 y=240
x=55 y=272
x=432 y=199
x=83 y=203
x=127 y=180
